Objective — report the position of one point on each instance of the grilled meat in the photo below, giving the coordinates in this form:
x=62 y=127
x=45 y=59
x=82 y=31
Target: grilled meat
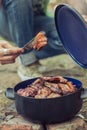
x=48 y=87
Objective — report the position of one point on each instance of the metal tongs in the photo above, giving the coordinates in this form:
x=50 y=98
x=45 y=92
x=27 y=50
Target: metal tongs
x=34 y=42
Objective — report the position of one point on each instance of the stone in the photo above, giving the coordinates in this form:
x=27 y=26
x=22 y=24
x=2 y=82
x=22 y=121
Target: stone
x=15 y=127
x=74 y=124
x=19 y=123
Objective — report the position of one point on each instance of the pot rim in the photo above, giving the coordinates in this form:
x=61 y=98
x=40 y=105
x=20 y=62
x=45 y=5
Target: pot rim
x=66 y=77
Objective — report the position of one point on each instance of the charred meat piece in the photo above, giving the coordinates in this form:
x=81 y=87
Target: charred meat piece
x=40 y=40
x=43 y=93
x=71 y=86
x=66 y=89
x=28 y=91
x=53 y=95
x=31 y=90
x=54 y=79
x=36 y=81
x=22 y=92
x=53 y=86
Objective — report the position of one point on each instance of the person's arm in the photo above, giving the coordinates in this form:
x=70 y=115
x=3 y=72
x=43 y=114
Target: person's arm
x=8 y=53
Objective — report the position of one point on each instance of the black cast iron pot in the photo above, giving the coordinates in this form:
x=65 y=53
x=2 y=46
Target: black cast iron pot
x=46 y=111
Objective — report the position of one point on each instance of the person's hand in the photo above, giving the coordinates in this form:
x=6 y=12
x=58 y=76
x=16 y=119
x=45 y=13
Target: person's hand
x=8 y=53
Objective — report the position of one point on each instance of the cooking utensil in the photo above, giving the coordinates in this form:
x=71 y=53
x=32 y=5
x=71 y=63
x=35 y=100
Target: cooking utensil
x=31 y=44
x=52 y=110
x=72 y=30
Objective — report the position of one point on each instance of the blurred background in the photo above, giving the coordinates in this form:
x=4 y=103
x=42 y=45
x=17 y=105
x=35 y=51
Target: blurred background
x=80 y=5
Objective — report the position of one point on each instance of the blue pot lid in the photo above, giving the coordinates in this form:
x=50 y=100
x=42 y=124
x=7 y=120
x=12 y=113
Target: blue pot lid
x=72 y=30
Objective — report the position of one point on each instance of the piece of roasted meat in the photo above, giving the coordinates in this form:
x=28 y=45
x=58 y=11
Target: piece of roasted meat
x=48 y=87
x=40 y=40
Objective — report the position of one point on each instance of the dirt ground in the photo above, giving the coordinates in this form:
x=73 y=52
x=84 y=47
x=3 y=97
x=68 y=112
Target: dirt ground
x=59 y=65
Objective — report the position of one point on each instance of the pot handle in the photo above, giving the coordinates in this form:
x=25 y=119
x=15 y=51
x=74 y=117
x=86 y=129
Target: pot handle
x=9 y=93
x=84 y=93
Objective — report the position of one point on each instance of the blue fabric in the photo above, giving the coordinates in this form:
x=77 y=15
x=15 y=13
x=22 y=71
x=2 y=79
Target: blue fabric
x=19 y=24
